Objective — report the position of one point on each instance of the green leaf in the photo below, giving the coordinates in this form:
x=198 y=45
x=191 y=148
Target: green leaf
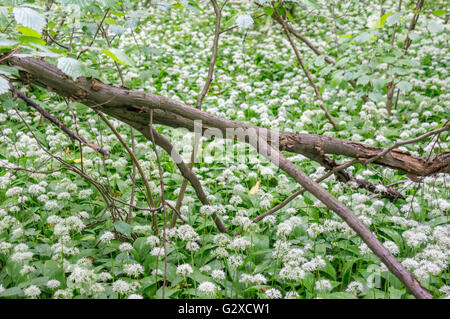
x=29 y=32
x=376 y=97
x=378 y=84
x=118 y=56
x=288 y=14
x=268 y=11
x=404 y=86
x=363 y=80
x=122 y=227
x=439 y=12
x=12 y=292
x=7 y=70
x=4 y=86
x=29 y=18
x=380 y=23
x=71 y=67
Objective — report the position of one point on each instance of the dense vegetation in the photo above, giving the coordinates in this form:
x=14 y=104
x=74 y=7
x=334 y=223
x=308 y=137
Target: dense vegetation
x=77 y=224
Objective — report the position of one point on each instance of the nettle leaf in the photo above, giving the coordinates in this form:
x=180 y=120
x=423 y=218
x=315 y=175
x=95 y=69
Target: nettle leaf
x=118 y=56
x=244 y=21
x=404 y=86
x=29 y=18
x=71 y=67
x=4 y=86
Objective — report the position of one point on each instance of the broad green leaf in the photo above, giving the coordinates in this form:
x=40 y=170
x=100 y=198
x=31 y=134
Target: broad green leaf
x=404 y=86
x=268 y=11
x=29 y=32
x=71 y=67
x=378 y=84
x=29 y=18
x=7 y=70
x=4 y=86
x=439 y=12
x=380 y=23
x=363 y=80
x=12 y=292
x=123 y=227
x=118 y=56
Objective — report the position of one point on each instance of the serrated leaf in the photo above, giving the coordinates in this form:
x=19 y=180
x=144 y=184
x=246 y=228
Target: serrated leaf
x=118 y=56
x=122 y=228
x=29 y=18
x=244 y=21
x=4 y=86
x=404 y=86
x=71 y=67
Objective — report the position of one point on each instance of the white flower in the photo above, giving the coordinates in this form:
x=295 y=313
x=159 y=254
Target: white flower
x=152 y=241
x=239 y=244
x=391 y=247
x=184 y=270
x=292 y=295
x=122 y=287
x=355 y=287
x=135 y=296
x=32 y=291
x=52 y=284
x=218 y=274
x=273 y=293
x=104 y=276
x=133 y=270
x=26 y=269
x=125 y=247
x=207 y=287
x=235 y=261
x=107 y=237
x=323 y=285
x=157 y=251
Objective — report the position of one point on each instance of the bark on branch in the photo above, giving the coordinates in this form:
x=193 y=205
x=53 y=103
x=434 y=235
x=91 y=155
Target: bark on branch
x=134 y=107
x=131 y=107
